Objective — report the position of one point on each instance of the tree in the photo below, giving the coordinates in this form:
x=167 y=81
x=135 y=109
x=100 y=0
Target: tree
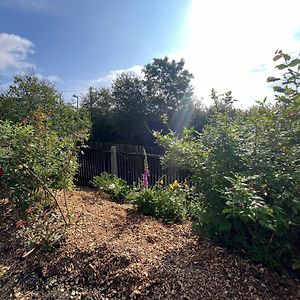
x=27 y=95
x=131 y=111
x=168 y=86
x=30 y=96
x=136 y=104
x=101 y=105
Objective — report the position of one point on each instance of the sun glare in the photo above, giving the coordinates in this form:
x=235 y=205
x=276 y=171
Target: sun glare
x=230 y=44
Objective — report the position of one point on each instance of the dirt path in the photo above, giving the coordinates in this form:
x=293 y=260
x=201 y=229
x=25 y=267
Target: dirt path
x=111 y=252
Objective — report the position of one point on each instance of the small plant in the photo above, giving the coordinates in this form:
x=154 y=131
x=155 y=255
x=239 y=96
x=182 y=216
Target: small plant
x=115 y=187
x=173 y=203
x=42 y=229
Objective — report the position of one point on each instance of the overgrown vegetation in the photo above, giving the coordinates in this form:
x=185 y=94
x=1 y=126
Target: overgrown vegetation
x=246 y=167
x=39 y=139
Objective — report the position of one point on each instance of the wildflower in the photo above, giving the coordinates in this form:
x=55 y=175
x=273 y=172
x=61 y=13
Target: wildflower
x=111 y=186
x=186 y=185
x=161 y=182
x=146 y=173
x=145 y=179
x=174 y=185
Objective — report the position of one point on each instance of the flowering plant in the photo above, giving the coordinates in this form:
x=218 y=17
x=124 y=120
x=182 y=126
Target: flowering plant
x=146 y=174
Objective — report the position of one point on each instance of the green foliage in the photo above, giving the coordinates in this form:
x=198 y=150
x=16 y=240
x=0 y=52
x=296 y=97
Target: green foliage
x=30 y=98
x=43 y=228
x=38 y=140
x=126 y=111
x=115 y=187
x=100 y=104
x=245 y=166
x=172 y=204
x=25 y=149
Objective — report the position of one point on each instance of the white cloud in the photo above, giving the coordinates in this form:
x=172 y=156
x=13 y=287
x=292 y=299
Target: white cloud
x=231 y=44
x=112 y=75
x=14 y=52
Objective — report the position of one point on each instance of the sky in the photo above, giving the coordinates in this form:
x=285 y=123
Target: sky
x=226 y=45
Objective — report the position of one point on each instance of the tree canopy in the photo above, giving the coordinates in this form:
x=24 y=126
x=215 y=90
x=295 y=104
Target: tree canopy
x=132 y=106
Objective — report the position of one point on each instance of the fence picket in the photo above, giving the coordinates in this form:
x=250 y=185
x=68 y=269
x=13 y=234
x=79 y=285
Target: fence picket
x=128 y=160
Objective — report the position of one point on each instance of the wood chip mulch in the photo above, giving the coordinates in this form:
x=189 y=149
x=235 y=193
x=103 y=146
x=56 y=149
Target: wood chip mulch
x=112 y=252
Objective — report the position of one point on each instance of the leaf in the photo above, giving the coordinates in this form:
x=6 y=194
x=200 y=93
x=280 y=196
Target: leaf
x=272 y=79
x=281 y=66
x=277 y=57
x=296 y=264
x=294 y=62
x=278 y=89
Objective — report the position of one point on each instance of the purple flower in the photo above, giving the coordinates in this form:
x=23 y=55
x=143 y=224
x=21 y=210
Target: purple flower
x=145 y=176
x=146 y=173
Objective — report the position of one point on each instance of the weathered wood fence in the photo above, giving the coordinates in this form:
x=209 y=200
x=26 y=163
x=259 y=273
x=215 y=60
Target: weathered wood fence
x=125 y=161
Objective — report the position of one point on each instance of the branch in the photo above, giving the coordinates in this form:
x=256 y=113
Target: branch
x=48 y=190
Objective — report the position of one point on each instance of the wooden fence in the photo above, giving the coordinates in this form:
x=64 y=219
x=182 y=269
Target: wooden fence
x=126 y=162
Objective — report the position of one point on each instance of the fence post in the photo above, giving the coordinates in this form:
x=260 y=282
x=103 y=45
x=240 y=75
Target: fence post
x=113 y=158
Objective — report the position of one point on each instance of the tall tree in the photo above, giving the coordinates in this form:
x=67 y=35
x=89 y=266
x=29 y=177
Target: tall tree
x=168 y=86
x=136 y=104
x=101 y=105
x=27 y=95
x=131 y=109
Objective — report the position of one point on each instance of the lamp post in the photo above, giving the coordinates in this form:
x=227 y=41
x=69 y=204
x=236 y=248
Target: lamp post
x=77 y=100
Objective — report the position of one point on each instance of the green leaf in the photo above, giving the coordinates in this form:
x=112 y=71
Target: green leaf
x=281 y=66
x=272 y=79
x=294 y=62
x=278 y=89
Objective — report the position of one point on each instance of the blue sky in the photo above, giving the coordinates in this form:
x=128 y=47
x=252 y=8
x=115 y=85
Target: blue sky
x=227 y=45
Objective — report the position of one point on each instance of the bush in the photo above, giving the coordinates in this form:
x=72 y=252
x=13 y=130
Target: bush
x=39 y=139
x=172 y=204
x=39 y=135
x=113 y=186
x=34 y=156
x=245 y=166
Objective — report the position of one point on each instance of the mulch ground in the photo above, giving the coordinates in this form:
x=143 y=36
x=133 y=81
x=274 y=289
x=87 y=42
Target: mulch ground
x=112 y=252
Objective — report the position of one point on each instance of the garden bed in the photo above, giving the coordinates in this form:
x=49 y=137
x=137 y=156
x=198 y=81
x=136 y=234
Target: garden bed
x=112 y=252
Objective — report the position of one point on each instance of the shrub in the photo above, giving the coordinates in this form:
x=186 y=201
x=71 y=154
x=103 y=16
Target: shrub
x=245 y=166
x=172 y=204
x=115 y=187
x=32 y=157
x=39 y=135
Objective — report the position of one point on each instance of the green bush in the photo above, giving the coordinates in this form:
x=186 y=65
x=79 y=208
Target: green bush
x=34 y=156
x=246 y=168
x=172 y=204
x=115 y=187
x=39 y=138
